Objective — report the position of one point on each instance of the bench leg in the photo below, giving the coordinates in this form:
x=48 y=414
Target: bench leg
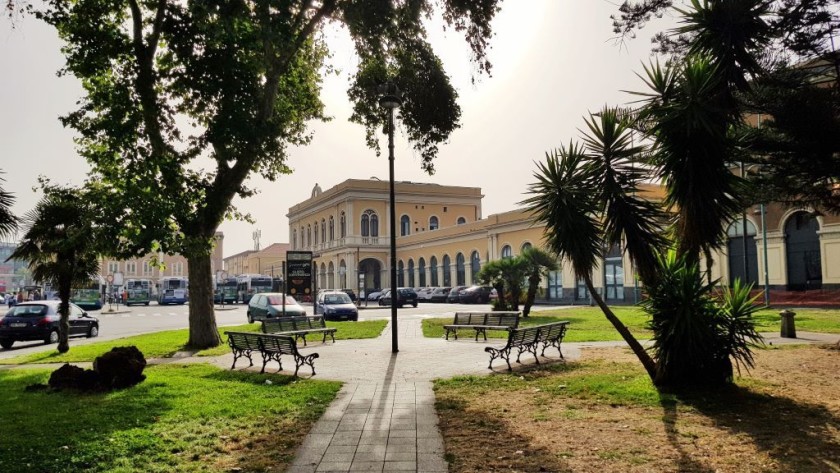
x=332 y=334
x=305 y=360
x=506 y=354
x=447 y=334
x=325 y=338
x=302 y=336
x=480 y=331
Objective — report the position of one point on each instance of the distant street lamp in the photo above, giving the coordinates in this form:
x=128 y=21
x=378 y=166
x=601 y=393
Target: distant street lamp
x=390 y=100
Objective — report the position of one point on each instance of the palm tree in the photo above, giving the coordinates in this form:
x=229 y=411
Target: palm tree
x=8 y=222
x=59 y=245
x=491 y=275
x=513 y=272
x=587 y=198
x=539 y=263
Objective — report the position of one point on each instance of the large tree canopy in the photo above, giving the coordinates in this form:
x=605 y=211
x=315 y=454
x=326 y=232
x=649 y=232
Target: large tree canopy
x=184 y=100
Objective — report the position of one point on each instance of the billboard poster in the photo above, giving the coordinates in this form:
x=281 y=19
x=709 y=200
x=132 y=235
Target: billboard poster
x=299 y=273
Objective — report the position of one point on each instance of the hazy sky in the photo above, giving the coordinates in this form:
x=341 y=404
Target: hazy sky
x=553 y=60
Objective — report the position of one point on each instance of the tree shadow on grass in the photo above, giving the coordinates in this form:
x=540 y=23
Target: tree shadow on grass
x=798 y=436
x=685 y=462
x=67 y=431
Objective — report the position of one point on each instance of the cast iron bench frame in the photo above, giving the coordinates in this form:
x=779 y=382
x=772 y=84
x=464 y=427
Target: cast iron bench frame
x=298 y=327
x=270 y=347
x=528 y=339
x=481 y=322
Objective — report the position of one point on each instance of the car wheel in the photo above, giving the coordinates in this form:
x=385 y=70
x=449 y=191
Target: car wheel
x=51 y=338
x=250 y=319
x=147 y=304
x=93 y=332
x=415 y=304
x=7 y=343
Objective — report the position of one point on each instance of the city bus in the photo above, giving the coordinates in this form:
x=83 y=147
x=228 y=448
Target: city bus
x=173 y=290
x=89 y=295
x=139 y=291
x=250 y=284
x=226 y=291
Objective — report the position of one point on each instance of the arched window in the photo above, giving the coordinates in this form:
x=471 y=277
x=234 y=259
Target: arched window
x=433 y=223
x=365 y=225
x=405 y=225
x=342 y=225
x=421 y=272
x=332 y=228
x=460 y=270
x=342 y=273
x=316 y=232
x=400 y=274
x=331 y=275
x=309 y=235
x=526 y=245
x=374 y=225
x=447 y=271
x=323 y=231
x=461 y=220
x=410 y=273
x=475 y=265
x=294 y=239
x=507 y=252
x=433 y=270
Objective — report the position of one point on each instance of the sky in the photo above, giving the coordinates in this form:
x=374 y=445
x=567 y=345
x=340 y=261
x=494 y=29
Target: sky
x=553 y=62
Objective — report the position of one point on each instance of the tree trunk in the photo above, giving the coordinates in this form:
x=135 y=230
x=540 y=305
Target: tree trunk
x=533 y=283
x=203 y=330
x=500 y=291
x=64 y=288
x=628 y=337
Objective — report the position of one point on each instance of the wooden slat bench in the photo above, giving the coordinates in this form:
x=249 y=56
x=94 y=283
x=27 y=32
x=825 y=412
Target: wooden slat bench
x=298 y=327
x=481 y=322
x=270 y=347
x=528 y=339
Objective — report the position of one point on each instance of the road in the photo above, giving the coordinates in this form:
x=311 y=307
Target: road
x=141 y=319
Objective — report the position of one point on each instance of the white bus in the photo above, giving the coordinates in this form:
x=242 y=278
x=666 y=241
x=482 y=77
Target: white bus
x=173 y=290
x=250 y=284
x=139 y=291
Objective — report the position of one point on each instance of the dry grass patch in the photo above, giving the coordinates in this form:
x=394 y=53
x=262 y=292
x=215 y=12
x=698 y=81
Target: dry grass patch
x=601 y=414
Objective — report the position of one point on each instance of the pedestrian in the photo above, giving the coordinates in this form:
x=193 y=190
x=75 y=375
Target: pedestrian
x=20 y=297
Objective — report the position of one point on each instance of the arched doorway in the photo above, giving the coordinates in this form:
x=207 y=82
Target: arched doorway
x=370 y=275
x=735 y=250
x=804 y=270
x=331 y=276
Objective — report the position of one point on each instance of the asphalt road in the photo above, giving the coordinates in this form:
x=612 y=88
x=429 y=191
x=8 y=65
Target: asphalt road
x=141 y=319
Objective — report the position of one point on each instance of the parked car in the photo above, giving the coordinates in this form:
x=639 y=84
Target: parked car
x=351 y=294
x=425 y=293
x=475 y=295
x=455 y=294
x=38 y=320
x=336 y=305
x=268 y=305
x=405 y=296
x=375 y=295
x=439 y=294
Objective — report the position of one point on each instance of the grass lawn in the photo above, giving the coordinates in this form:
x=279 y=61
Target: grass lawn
x=166 y=343
x=603 y=414
x=588 y=324
x=185 y=418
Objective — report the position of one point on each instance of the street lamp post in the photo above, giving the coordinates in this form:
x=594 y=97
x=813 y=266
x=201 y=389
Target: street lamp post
x=390 y=100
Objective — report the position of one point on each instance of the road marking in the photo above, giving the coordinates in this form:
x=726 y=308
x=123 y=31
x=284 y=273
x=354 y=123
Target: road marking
x=141 y=315
x=126 y=315
x=173 y=314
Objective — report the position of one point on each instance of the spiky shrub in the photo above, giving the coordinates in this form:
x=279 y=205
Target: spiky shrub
x=696 y=335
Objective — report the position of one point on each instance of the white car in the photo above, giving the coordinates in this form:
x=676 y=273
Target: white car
x=424 y=293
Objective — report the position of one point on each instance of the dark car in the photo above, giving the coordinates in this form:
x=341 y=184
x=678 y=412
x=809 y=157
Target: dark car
x=439 y=294
x=351 y=294
x=455 y=294
x=268 y=305
x=38 y=320
x=405 y=296
x=336 y=305
x=475 y=295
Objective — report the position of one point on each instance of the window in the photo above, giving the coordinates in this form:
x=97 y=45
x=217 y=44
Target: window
x=309 y=235
x=178 y=269
x=294 y=239
x=400 y=274
x=332 y=228
x=582 y=291
x=147 y=268
x=421 y=272
x=433 y=269
x=316 y=232
x=475 y=265
x=507 y=252
x=447 y=271
x=405 y=225
x=374 y=225
x=323 y=231
x=342 y=272
x=411 y=273
x=555 y=284
x=461 y=220
x=433 y=223
x=131 y=267
x=460 y=270
x=113 y=266
x=365 y=225
x=342 y=225
x=526 y=245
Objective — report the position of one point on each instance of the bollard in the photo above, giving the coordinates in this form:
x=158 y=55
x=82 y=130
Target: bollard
x=788 y=327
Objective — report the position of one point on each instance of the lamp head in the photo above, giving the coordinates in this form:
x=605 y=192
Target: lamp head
x=389 y=95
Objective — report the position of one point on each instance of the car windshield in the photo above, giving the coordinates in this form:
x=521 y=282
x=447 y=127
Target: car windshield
x=34 y=310
x=336 y=299
x=278 y=300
